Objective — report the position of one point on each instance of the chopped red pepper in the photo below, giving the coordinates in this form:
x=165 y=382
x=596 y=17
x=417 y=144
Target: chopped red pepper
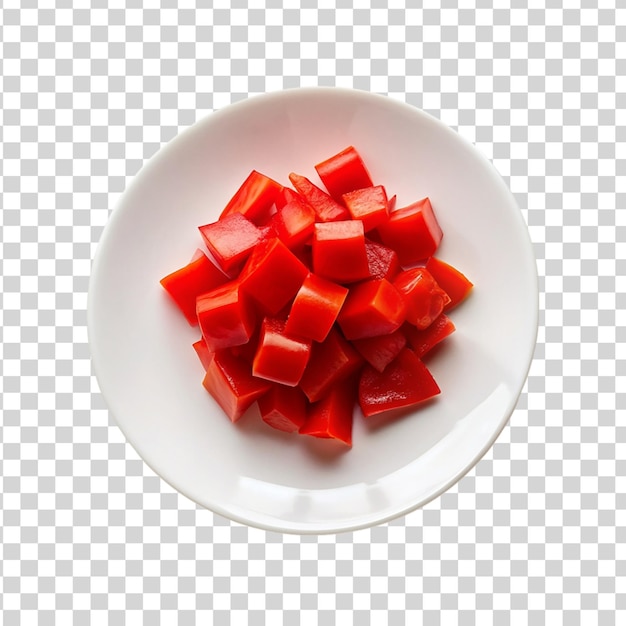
x=315 y=308
x=272 y=275
x=369 y=205
x=293 y=223
x=189 y=282
x=327 y=209
x=382 y=350
x=231 y=240
x=422 y=341
x=405 y=382
x=225 y=318
x=425 y=299
x=413 y=232
x=344 y=172
x=331 y=361
x=331 y=417
x=382 y=261
x=283 y=408
x=285 y=196
x=373 y=307
x=231 y=383
x=204 y=354
x=254 y=198
x=455 y=284
x=339 y=251
x=279 y=357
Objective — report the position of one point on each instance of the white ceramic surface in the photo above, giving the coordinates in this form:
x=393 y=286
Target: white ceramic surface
x=150 y=375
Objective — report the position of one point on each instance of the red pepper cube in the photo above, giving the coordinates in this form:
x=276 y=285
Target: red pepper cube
x=373 y=307
x=413 y=232
x=455 y=284
x=293 y=223
x=254 y=199
x=369 y=205
x=272 y=275
x=315 y=308
x=382 y=350
x=225 y=318
x=425 y=299
x=280 y=357
x=382 y=261
x=331 y=361
x=232 y=385
x=204 y=354
x=332 y=416
x=283 y=408
x=327 y=209
x=405 y=382
x=285 y=196
x=422 y=341
x=189 y=282
x=344 y=172
x=339 y=251
x=231 y=240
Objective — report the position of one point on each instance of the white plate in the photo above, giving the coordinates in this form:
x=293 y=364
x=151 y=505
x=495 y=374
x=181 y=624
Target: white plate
x=151 y=378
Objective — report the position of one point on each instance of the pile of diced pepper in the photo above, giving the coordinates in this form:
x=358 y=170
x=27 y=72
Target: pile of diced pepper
x=312 y=301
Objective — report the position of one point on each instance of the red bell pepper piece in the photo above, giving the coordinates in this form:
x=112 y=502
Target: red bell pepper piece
x=331 y=361
x=327 y=209
x=382 y=261
x=332 y=416
x=382 y=350
x=225 y=318
x=231 y=240
x=231 y=383
x=344 y=172
x=285 y=196
x=422 y=341
x=413 y=232
x=279 y=357
x=254 y=198
x=315 y=308
x=283 y=408
x=369 y=205
x=405 y=382
x=455 y=284
x=373 y=307
x=272 y=275
x=187 y=283
x=204 y=354
x=392 y=203
x=293 y=223
x=339 y=251
x=425 y=299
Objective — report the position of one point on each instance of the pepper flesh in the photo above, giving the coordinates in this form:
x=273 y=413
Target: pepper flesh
x=331 y=417
x=231 y=240
x=232 y=385
x=405 y=382
x=280 y=357
x=413 y=232
x=372 y=308
x=455 y=284
x=425 y=299
x=254 y=198
x=283 y=408
x=339 y=251
x=186 y=284
x=344 y=172
x=225 y=318
x=326 y=208
x=315 y=308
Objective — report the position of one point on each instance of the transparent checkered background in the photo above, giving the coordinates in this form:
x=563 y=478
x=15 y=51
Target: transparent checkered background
x=534 y=534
